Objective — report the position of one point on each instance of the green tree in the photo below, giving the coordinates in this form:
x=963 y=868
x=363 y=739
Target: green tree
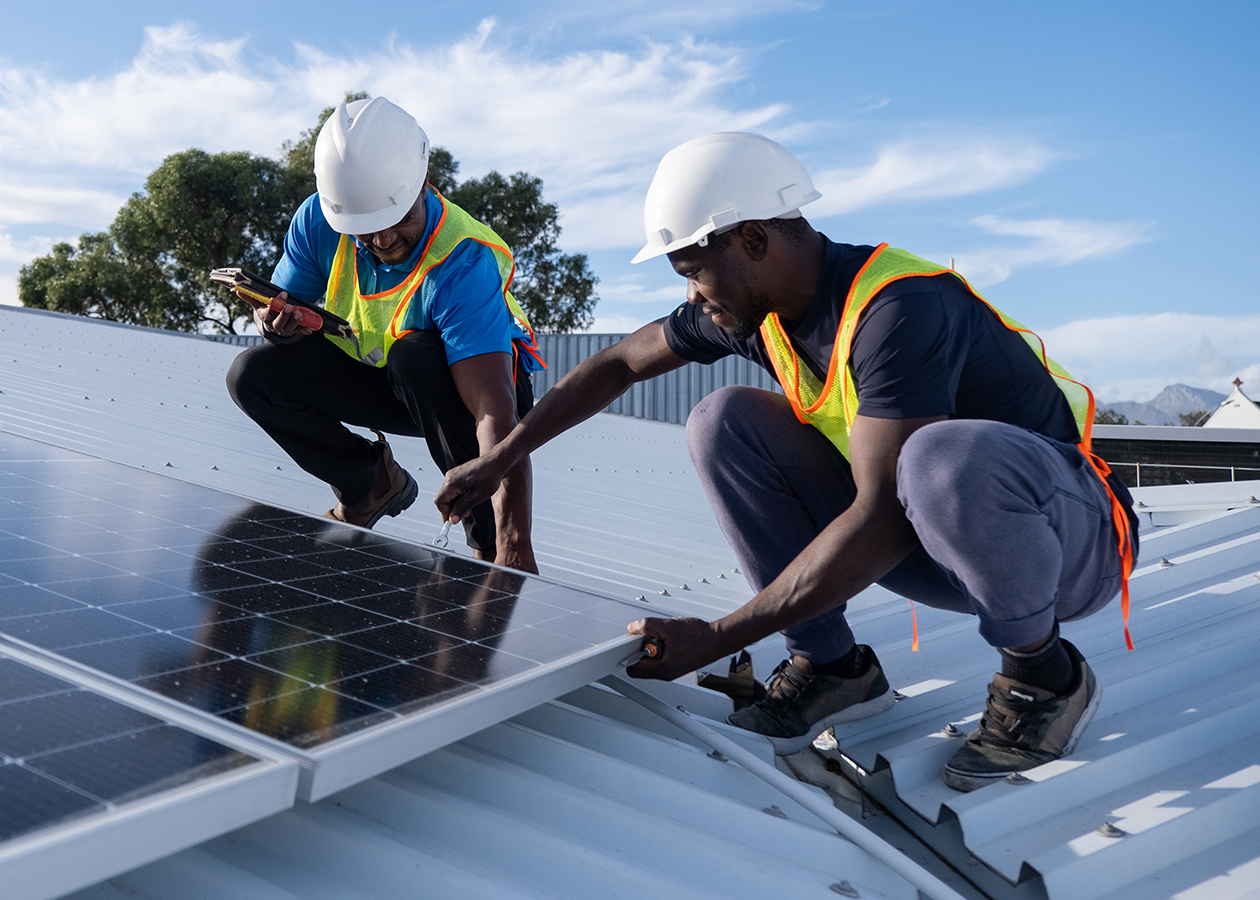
x=1104 y=416
x=202 y=211
x=1196 y=417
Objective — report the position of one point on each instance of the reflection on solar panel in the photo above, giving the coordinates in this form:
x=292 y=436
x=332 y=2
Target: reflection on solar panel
x=97 y=769
x=301 y=629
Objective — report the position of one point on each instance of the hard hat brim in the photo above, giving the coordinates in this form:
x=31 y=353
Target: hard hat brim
x=369 y=223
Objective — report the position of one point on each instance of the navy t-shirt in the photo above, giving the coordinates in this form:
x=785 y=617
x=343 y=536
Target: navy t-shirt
x=923 y=347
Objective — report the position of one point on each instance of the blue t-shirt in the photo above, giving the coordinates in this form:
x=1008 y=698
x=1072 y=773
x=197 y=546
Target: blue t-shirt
x=462 y=299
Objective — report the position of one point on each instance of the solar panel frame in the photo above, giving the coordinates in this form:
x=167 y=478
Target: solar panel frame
x=222 y=572
x=120 y=835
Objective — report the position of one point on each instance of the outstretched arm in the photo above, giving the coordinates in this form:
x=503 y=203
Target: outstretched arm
x=859 y=547
x=587 y=389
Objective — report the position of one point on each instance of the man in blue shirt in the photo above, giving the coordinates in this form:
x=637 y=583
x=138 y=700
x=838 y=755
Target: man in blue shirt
x=441 y=351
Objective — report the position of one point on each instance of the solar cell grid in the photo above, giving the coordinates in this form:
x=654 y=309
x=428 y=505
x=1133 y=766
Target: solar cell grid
x=66 y=753
x=299 y=628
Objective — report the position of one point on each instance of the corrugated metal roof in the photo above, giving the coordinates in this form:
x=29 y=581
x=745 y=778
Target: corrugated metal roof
x=1171 y=760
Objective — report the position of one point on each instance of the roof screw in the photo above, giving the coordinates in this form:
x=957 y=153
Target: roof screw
x=736 y=571
x=716 y=754
x=774 y=811
x=683 y=587
x=1016 y=778
x=1140 y=505
x=85 y=397
x=277 y=468
x=702 y=580
x=168 y=466
x=1252 y=500
x=663 y=592
x=897 y=695
x=641 y=598
x=215 y=468
x=1108 y=830
x=950 y=730
x=722 y=575
x=1164 y=562
x=844 y=889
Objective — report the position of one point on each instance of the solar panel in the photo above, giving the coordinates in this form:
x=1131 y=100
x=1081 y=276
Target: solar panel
x=83 y=775
x=356 y=650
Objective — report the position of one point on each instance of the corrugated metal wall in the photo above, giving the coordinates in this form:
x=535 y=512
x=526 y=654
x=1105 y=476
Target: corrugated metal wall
x=668 y=398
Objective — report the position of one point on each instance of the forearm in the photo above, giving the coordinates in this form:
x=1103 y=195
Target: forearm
x=587 y=389
x=858 y=548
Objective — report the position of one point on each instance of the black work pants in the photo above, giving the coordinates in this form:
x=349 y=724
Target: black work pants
x=302 y=393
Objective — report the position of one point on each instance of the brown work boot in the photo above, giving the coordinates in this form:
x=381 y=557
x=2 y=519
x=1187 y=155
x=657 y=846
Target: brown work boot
x=393 y=492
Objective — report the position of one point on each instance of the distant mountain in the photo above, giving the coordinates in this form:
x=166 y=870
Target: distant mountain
x=1171 y=402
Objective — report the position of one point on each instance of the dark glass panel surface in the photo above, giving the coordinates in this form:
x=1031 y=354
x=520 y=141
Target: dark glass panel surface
x=57 y=568
x=29 y=801
x=538 y=591
x=18 y=681
x=322 y=661
x=281 y=568
x=401 y=641
x=294 y=545
x=58 y=630
x=46 y=723
x=22 y=548
x=475 y=663
x=333 y=619
x=402 y=605
x=149 y=561
x=460 y=593
x=28 y=600
x=343 y=559
x=307 y=718
x=267 y=598
x=340 y=586
x=404 y=688
x=171 y=613
x=111 y=590
x=141 y=657
x=242 y=637
x=131 y=766
x=471 y=624
x=95 y=542
x=222 y=686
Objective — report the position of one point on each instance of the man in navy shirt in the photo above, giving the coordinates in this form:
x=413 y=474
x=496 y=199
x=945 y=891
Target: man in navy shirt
x=441 y=349
x=920 y=443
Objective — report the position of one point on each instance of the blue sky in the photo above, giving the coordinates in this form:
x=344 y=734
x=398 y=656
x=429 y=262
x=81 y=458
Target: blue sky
x=1091 y=166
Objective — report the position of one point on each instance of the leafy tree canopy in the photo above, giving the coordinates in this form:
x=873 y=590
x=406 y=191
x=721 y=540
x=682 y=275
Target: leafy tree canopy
x=202 y=211
x=1104 y=416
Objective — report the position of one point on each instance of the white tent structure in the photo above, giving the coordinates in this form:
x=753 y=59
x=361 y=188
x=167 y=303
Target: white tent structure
x=1236 y=411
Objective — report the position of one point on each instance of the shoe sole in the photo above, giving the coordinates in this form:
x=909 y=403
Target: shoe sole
x=969 y=781
x=786 y=746
x=398 y=502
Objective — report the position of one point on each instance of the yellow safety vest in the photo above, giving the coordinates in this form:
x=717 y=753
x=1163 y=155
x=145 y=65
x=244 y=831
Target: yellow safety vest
x=832 y=407
x=377 y=318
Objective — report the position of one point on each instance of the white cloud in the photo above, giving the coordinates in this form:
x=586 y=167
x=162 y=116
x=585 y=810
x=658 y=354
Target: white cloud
x=24 y=203
x=619 y=324
x=927 y=169
x=1134 y=357
x=1053 y=242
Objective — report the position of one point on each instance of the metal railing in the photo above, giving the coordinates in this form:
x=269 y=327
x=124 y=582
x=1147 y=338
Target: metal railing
x=1180 y=473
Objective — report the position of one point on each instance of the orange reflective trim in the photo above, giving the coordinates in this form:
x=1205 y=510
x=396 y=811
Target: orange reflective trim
x=793 y=395
x=1125 y=542
x=914 y=627
x=833 y=366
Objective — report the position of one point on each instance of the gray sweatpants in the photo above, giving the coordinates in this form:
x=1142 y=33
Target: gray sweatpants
x=1014 y=527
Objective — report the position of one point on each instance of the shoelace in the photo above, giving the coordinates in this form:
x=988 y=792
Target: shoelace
x=780 y=694
x=1005 y=718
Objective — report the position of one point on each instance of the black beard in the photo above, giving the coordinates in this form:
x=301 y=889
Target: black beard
x=748 y=324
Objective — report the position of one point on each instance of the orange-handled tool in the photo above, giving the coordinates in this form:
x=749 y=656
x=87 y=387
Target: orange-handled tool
x=304 y=316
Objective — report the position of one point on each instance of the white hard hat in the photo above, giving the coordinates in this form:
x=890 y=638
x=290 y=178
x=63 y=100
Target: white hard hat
x=713 y=182
x=371 y=159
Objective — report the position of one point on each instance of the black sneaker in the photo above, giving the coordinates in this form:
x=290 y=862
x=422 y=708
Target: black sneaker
x=801 y=704
x=1024 y=727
